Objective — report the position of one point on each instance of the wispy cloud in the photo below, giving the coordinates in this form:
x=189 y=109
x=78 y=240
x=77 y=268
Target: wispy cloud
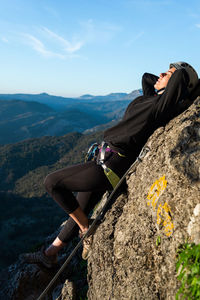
x=69 y=47
x=39 y=47
x=51 y=44
x=198 y=25
x=134 y=39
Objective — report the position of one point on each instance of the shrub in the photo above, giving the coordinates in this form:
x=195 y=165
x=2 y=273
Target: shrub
x=188 y=272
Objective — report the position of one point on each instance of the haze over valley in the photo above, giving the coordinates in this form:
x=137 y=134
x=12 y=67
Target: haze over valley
x=24 y=116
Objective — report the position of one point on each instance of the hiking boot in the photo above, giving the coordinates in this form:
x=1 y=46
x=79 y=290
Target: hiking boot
x=87 y=242
x=40 y=259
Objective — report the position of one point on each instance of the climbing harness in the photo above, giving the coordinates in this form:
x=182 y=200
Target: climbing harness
x=97 y=152
x=110 y=174
x=139 y=159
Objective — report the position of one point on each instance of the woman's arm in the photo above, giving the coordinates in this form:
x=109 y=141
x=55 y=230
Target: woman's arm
x=148 y=81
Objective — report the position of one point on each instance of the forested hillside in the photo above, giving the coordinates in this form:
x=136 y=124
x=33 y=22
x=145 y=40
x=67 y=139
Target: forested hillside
x=27 y=213
x=20 y=120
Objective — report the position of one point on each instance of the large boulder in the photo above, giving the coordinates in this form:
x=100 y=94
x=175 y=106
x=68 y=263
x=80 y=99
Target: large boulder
x=134 y=251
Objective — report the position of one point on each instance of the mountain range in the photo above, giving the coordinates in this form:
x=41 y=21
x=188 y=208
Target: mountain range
x=60 y=103
x=24 y=116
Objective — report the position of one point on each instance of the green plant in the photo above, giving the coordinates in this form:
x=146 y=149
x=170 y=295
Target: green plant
x=80 y=298
x=188 y=272
x=158 y=240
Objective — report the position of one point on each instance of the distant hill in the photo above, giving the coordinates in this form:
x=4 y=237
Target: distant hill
x=20 y=120
x=28 y=116
x=60 y=103
x=55 y=102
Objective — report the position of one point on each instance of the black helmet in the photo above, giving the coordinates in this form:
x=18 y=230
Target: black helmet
x=193 y=77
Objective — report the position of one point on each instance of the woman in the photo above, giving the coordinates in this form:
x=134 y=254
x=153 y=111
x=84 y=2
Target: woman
x=161 y=101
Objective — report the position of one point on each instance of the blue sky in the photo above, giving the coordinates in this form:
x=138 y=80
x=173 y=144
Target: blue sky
x=71 y=48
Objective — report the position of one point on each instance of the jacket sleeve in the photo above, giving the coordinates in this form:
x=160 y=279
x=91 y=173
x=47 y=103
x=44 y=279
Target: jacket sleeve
x=148 y=81
x=167 y=105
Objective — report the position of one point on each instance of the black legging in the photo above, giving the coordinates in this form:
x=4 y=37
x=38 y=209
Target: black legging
x=87 y=201
x=89 y=180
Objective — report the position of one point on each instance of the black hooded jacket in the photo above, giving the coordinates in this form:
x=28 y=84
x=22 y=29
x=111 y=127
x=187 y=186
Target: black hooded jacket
x=146 y=113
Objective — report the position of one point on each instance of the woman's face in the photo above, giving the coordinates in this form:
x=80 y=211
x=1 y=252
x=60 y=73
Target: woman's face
x=163 y=79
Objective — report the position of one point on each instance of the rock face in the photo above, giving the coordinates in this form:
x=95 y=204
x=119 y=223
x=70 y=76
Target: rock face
x=134 y=250
x=193 y=226
x=22 y=281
